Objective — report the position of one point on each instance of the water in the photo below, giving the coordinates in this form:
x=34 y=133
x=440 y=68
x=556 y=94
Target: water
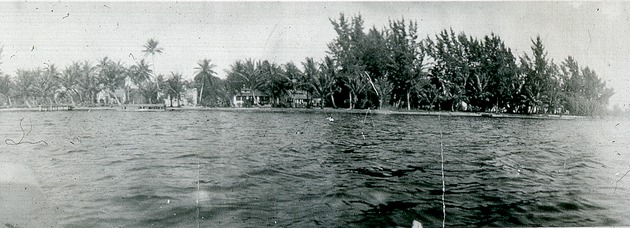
x=257 y=169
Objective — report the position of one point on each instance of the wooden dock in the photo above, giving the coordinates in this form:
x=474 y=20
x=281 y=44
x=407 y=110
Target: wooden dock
x=48 y=108
x=143 y=108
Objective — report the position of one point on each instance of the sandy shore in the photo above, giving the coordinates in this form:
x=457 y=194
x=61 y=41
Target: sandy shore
x=327 y=111
x=388 y=112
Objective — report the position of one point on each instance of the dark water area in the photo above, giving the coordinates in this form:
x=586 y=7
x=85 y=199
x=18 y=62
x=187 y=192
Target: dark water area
x=250 y=169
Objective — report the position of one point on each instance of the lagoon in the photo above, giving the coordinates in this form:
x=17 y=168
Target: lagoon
x=246 y=169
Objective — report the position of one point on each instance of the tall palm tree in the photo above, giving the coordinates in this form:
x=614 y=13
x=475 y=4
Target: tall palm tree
x=151 y=48
x=310 y=72
x=274 y=80
x=243 y=75
x=246 y=75
x=112 y=75
x=88 y=82
x=175 y=88
x=48 y=82
x=324 y=83
x=70 y=79
x=26 y=83
x=204 y=74
x=140 y=73
x=7 y=87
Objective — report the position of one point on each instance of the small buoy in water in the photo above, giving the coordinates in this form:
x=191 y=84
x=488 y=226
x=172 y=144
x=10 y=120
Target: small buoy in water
x=331 y=119
x=416 y=224
x=299 y=132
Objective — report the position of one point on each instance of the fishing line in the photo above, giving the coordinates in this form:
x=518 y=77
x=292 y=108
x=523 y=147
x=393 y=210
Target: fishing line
x=617 y=182
x=198 y=176
x=364 y=118
x=442 y=161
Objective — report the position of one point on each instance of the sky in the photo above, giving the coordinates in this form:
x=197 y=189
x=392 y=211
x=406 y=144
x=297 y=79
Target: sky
x=596 y=34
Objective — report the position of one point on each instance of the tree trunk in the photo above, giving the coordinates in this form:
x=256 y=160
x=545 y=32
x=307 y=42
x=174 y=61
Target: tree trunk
x=379 y=95
x=497 y=105
x=201 y=94
x=80 y=96
x=115 y=98
x=157 y=97
x=332 y=99
x=408 y=101
x=398 y=101
x=351 y=103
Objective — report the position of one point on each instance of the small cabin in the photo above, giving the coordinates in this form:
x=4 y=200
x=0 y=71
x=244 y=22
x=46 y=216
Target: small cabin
x=299 y=98
x=249 y=98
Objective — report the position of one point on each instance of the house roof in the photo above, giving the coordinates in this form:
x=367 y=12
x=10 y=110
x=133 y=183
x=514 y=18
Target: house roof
x=247 y=92
x=119 y=92
x=298 y=95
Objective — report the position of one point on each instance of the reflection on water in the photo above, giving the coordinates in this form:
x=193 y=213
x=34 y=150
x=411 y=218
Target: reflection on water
x=285 y=169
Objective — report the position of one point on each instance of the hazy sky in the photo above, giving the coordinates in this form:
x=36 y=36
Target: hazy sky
x=597 y=34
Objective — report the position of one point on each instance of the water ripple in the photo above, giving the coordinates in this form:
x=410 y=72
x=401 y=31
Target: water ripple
x=250 y=169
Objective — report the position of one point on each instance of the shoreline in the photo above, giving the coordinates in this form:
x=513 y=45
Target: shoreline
x=325 y=110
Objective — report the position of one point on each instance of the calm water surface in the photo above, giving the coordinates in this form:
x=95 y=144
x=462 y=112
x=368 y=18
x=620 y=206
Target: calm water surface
x=253 y=169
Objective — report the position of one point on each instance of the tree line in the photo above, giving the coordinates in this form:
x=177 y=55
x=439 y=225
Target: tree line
x=391 y=67
x=81 y=81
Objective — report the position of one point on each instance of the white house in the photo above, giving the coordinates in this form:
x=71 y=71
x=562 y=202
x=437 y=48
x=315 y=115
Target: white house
x=248 y=97
x=105 y=97
x=188 y=98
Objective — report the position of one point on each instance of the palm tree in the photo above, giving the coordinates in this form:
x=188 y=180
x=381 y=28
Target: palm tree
x=48 y=83
x=7 y=87
x=151 y=48
x=175 y=87
x=204 y=75
x=88 y=82
x=325 y=83
x=243 y=75
x=112 y=76
x=140 y=75
x=311 y=71
x=26 y=84
x=274 y=80
x=69 y=80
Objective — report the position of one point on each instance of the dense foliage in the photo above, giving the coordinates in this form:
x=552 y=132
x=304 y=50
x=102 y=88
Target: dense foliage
x=387 y=68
